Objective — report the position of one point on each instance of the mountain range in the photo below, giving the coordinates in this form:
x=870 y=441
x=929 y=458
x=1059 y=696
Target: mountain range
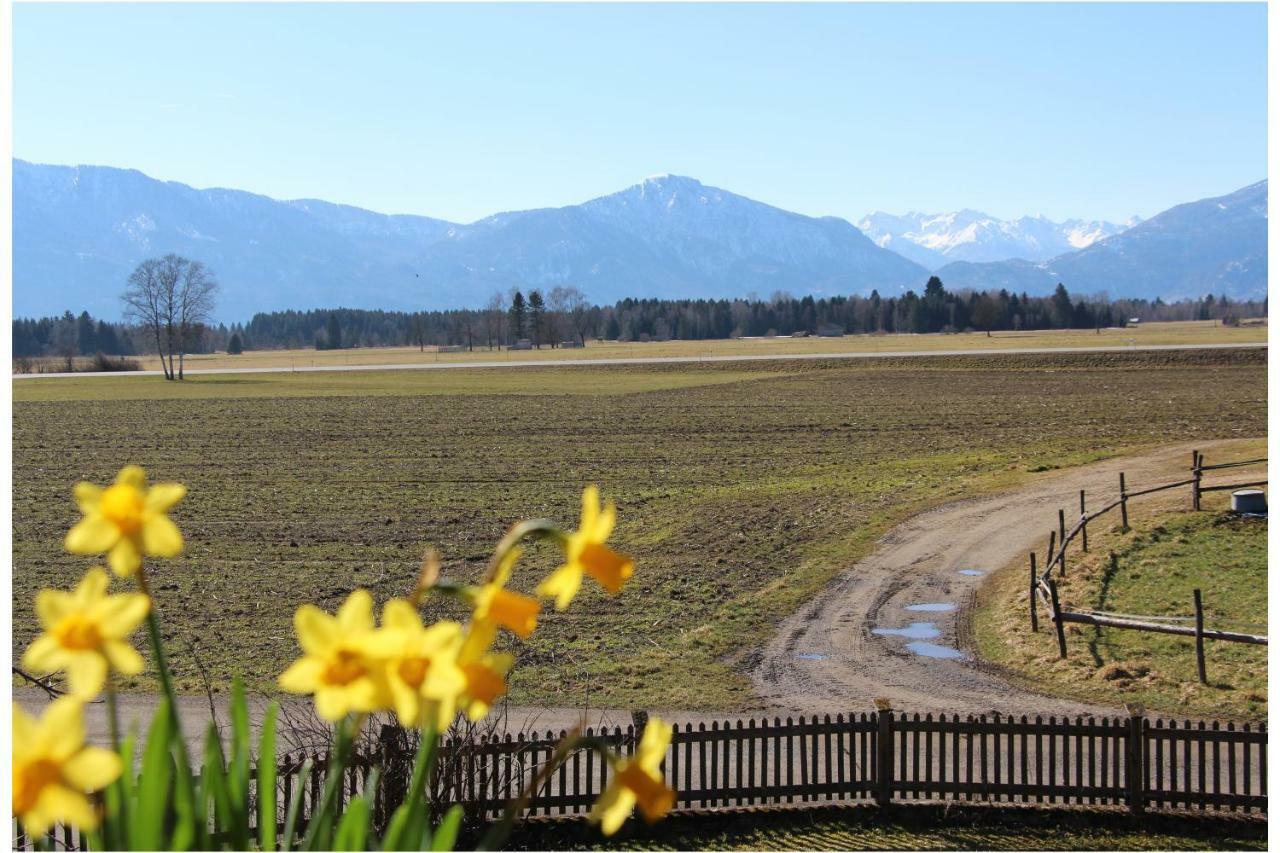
x=79 y=231
x=936 y=239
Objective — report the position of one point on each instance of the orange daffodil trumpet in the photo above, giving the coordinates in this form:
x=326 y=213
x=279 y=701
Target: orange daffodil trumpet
x=586 y=553
x=84 y=633
x=126 y=520
x=53 y=771
x=637 y=782
x=495 y=605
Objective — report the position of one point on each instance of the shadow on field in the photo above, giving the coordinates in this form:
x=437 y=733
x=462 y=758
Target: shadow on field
x=922 y=827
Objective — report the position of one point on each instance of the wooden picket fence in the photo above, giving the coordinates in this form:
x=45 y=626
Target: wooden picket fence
x=880 y=757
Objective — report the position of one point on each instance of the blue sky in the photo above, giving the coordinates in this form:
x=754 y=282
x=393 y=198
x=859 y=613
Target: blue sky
x=1095 y=111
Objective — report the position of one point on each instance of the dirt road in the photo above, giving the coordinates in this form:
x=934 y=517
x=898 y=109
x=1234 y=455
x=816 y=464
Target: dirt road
x=895 y=625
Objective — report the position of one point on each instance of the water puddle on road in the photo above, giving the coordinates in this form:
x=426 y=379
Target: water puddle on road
x=810 y=656
x=914 y=631
x=940 y=607
x=972 y=573
x=932 y=650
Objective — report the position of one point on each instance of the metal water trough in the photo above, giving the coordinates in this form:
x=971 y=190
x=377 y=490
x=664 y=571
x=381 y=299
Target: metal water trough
x=1249 y=501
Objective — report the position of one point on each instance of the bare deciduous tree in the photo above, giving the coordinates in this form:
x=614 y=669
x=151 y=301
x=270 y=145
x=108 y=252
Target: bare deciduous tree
x=495 y=317
x=173 y=297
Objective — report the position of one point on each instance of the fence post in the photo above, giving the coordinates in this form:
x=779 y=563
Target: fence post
x=1062 y=538
x=1048 y=558
x=1136 y=760
x=1200 y=638
x=1196 y=474
x=1057 y=619
x=395 y=773
x=1124 y=506
x=1084 y=525
x=1035 y=620
x=884 y=752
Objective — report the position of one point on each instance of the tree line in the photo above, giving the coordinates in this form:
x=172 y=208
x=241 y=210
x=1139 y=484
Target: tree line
x=563 y=315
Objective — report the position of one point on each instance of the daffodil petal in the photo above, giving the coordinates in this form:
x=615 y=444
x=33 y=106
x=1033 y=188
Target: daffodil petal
x=60 y=731
x=562 y=585
x=120 y=615
x=52 y=605
x=24 y=727
x=93 y=534
x=302 y=676
x=332 y=705
x=67 y=806
x=92 y=587
x=44 y=655
x=162 y=496
x=92 y=769
x=87 y=496
x=132 y=475
x=123 y=657
x=317 y=631
x=124 y=558
x=398 y=613
x=590 y=507
x=356 y=613
x=161 y=537
x=86 y=673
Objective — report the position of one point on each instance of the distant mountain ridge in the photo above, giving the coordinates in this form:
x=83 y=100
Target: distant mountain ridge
x=936 y=239
x=1215 y=245
x=79 y=231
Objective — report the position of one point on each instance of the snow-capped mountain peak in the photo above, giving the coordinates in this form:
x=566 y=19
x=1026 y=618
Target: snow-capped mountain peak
x=935 y=239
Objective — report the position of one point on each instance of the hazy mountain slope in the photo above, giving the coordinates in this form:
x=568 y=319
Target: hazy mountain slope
x=1215 y=245
x=78 y=232
x=969 y=235
x=672 y=237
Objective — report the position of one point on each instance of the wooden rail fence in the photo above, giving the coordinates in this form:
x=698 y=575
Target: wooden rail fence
x=1044 y=589
x=880 y=757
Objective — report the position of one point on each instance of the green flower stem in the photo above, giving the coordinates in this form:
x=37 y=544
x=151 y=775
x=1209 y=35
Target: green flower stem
x=184 y=792
x=501 y=830
x=540 y=528
x=116 y=827
x=332 y=782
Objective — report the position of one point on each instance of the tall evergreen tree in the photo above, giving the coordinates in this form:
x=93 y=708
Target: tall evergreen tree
x=516 y=316
x=537 y=317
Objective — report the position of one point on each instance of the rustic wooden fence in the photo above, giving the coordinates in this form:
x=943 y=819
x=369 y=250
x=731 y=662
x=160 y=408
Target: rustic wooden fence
x=1043 y=591
x=881 y=757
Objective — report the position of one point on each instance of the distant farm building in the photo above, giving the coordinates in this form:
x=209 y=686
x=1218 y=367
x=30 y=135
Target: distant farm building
x=523 y=343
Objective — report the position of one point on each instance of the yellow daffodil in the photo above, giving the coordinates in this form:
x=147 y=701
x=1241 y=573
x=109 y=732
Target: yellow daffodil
x=338 y=665
x=421 y=666
x=53 y=770
x=126 y=520
x=85 y=631
x=637 y=781
x=496 y=604
x=485 y=670
x=586 y=553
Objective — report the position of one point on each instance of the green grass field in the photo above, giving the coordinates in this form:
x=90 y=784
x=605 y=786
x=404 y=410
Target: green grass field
x=954 y=827
x=1169 y=552
x=740 y=491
